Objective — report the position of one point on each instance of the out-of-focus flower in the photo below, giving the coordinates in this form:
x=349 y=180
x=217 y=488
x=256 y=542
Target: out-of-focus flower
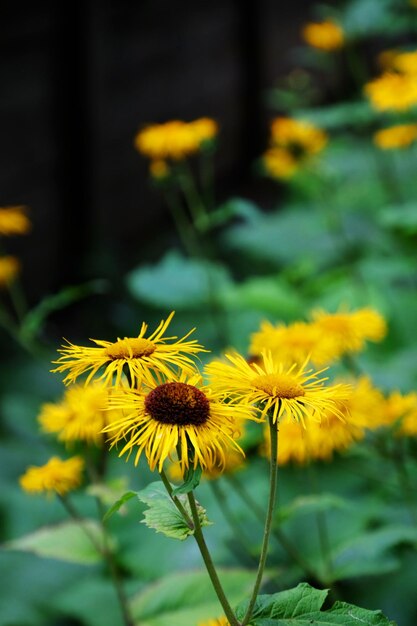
x=14 y=221
x=9 y=269
x=219 y=621
x=405 y=62
x=159 y=169
x=392 y=91
x=141 y=355
x=398 y=136
x=279 y=163
x=56 y=476
x=176 y=139
x=399 y=410
x=326 y=35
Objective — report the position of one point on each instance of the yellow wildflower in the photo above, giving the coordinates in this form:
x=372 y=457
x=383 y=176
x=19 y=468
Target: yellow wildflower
x=399 y=410
x=14 y=221
x=158 y=169
x=279 y=163
x=392 y=91
x=56 y=476
x=220 y=621
x=299 y=137
x=398 y=136
x=405 y=62
x=9 y=269
x=205 y=129
x=326 y=35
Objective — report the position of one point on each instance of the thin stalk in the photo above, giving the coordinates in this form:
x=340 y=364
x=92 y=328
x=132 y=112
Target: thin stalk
x=273 y=429
x=207 y=177
x=192 y=197
x=277 y=533
x=176 y=500
x=182 y=225
x=107 y=554
x=322 y=530
x=18 y=299
x=199 y=537
x=405 y=483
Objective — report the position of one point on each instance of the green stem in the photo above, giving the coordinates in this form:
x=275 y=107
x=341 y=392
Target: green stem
x=176 y=500
x=278 y=533
x=404 y=480
x=273 y=429
x=199 y=537
x=192 y=197
x=322 y=530
x=207 y=177
x=182 y=225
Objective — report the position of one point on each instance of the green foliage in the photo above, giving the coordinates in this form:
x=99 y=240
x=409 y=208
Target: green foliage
x=68 y=541
x=162 y=514
x=302 y=607
x=119 y=503
x=192 y=479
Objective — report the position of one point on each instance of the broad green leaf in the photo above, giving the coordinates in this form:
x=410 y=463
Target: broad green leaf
x=235 y=207
x=162 y=514
x=186 y=598
x=402 y=218
x=302 y=605
x=178 y=283
x=119 y=503
x=306 y=505
x=191 y=481
x=68 y=541
x=269 y=294
x=336 y=116
x=371 y=552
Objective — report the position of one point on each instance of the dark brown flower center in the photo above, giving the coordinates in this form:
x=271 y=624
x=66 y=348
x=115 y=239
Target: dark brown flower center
x=177 y=403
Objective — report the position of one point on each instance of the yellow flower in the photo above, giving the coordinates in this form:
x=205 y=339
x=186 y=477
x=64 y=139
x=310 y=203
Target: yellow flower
x=365 y=404
x=405 y=62
x=299 y=137
x=294 y=343
x=233 y=461
x=56 y=476
x=276 y=389
x=398 y=136
x=80 y=416
x=14 y=221
x=399 y=410
x=9 y=269
x=176 y=139
x=159 y=169
x=408 y=424
x=220 y=621
x=351 y=329
x=279 y=163
x=326 y=35
x=182 y=415
x=141 y=355
x=392 y=91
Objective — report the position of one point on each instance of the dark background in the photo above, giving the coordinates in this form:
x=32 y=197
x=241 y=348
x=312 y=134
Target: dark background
x=80 y=78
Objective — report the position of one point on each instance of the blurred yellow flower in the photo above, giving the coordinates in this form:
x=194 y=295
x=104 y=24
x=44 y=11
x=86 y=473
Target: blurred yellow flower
x=9 y=269
x=279 y=163
x=14 y=221
x=141 y=355
x=294 y=343
x=392 y=91
x=365 y=404
x=220 y=621
x=158 y=169
x=175 y=139
x=80 y=416
x=401 y=411
x=351 y=329
x=275 y=388
x=184 y=414
x=56 y=476
x=233 y=461
x=326 y=35
x=398 y=136
x=299 y=137
x=405 y=62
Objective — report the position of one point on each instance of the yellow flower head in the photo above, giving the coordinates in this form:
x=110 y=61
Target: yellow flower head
x=275 y=388
x=233 y=461
x=318 y=442
x=398 y=136
x=364 y=404
x=298 y=137
x=14 y=221
x=182 y=415
x=56 y=476
x=392 y=92
x=399 y=410
x=141 y=355
x=326 y=35
x=350 y=330
x=294 y=343
x=220 y=621
x=80 y=416
x=159 y=169
x=279 y=163
x=9 y=269
x=176 y=139
x=405 y=62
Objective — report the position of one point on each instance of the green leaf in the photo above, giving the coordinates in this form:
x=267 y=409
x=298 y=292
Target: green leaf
x=306 y=505
x=36 y=316
x=192 y=479
x=402 y=218
x=235 y=207
x=68 y=541
x=119 y=503
x=178 y=283
x=302 y=605
x=162 y=514
x=187 y=598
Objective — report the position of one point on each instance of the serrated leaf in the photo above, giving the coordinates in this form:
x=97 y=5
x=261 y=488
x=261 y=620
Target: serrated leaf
x=119 y=503
x=192 y=479
x=187 y=598
x=178 y=283
x=68 y=541
x=162 y=514
x=301 y=606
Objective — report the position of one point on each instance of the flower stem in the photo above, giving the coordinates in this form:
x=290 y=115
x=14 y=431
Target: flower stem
x=192 y=197
x=322 y=531
x=273 y=429
x=176 y=500
x=199 y=537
